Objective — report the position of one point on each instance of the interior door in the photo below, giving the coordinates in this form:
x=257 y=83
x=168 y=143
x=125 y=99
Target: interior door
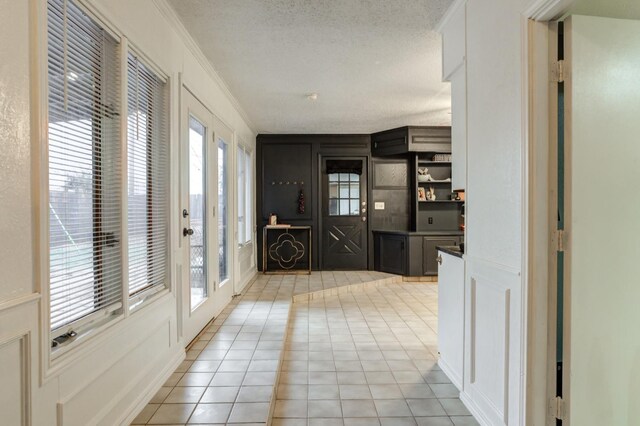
x=599 y=305
x=344 y=213
x=200 y=299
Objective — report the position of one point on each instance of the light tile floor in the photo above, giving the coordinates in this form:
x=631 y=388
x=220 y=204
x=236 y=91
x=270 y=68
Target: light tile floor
x=367 y=358
x=353 y=358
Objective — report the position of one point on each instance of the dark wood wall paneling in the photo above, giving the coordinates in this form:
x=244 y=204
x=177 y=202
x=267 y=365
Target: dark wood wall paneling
x=296 y=158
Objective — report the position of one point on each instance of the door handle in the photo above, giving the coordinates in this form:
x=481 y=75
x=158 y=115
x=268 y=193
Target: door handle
x=364 y=218
x=439 y=260
x=187 y=232
x=185 y=213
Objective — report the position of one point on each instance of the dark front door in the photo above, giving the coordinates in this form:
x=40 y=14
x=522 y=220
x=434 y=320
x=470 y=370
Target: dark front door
x=344 y=213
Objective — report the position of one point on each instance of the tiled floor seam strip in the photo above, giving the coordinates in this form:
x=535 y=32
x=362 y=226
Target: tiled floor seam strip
x=272 y=402
x=351 y=288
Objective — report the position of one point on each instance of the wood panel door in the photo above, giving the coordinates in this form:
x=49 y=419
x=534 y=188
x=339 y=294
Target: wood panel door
x=344 y=243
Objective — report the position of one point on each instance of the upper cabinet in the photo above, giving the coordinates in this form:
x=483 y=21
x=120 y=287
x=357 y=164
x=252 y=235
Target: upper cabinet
x=459 y=129
x=454 y=69
x=411 y=139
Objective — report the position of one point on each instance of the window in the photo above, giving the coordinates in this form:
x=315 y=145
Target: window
x=197 y=211
x=147 y=177
x=86 y=180
x=245 y=214
x=223 y=210
x=84 y=168
x=344 y=194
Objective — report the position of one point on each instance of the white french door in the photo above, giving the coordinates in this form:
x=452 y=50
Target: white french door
x=202 y=298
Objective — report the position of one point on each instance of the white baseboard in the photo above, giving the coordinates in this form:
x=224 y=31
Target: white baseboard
x=152 y=388
x=243 y=284
x=455 y=378
x=474 y=410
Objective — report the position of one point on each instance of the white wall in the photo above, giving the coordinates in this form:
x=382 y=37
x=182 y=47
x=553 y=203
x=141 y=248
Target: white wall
x=496 y=117
x=109 y=376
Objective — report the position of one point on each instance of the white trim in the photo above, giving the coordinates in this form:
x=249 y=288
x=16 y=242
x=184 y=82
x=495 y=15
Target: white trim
x=19 y=301
x=494 y=265
x=457 y=4
x=455 y=378
x=24 y=340
x=146 y=61
x=524 y=211
x=545 y=10
x=152 y=388
x=124 y=174
x=473 y=409
x=169 y=13
x=244 y=283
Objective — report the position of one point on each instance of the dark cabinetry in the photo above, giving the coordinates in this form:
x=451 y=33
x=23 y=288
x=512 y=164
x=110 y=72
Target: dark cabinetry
x=430 y=253
x=411 y=139
x=391 y=253
x=410 y=253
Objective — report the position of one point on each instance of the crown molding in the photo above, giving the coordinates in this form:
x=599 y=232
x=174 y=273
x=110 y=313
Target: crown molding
x=170 y=14
x=457 y=4
x=546 y=10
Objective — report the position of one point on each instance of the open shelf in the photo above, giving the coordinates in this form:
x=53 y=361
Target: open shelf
x=434 y=181
x=433 y=162
x=442 y=201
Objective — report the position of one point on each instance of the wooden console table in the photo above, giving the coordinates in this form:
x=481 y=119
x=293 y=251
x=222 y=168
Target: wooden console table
x=284 y=251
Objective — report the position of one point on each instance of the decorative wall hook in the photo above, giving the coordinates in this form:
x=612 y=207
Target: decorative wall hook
x=301 y=202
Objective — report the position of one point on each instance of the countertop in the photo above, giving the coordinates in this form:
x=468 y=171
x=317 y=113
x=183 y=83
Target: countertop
x=452 y=250
x=419 y=233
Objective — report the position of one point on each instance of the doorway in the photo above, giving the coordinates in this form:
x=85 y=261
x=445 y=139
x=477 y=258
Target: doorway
x=344 y=241
x=204 y=218
x=593 y=161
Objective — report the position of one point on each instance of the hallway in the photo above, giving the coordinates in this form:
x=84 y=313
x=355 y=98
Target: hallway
x=361 y=350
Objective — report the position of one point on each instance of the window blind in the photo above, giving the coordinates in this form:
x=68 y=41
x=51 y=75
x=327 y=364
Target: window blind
x=85 y=267
x=148 y=171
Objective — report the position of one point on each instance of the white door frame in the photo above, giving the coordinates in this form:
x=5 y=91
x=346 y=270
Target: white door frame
x=193 y=321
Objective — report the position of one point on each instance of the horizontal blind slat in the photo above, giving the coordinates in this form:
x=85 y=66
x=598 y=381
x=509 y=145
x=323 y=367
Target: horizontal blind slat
x=84 y=165
x=147 y=177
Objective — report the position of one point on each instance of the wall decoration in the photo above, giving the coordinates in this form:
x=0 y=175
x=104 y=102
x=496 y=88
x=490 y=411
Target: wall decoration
x=301 y=202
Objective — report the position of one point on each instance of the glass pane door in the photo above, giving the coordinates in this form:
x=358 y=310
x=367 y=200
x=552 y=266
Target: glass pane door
x=223 y=214
x=197 y=212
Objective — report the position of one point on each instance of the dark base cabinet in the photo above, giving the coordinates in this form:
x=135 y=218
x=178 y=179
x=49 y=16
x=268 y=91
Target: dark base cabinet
x=410 y=253
x=390 y=253
x=430 y=253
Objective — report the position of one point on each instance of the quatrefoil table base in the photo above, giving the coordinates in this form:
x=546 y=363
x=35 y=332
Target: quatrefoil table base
x=286 y=251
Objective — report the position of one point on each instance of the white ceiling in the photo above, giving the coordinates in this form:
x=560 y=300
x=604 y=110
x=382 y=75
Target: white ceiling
x=375 y=64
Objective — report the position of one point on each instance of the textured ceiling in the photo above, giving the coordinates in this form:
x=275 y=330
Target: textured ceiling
x=375 y=64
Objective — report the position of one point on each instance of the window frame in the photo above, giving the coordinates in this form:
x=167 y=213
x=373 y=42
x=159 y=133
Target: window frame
x=339 y=182
x=110 y=311
x=54 y=362
x=141 y=297
x=247 y=196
